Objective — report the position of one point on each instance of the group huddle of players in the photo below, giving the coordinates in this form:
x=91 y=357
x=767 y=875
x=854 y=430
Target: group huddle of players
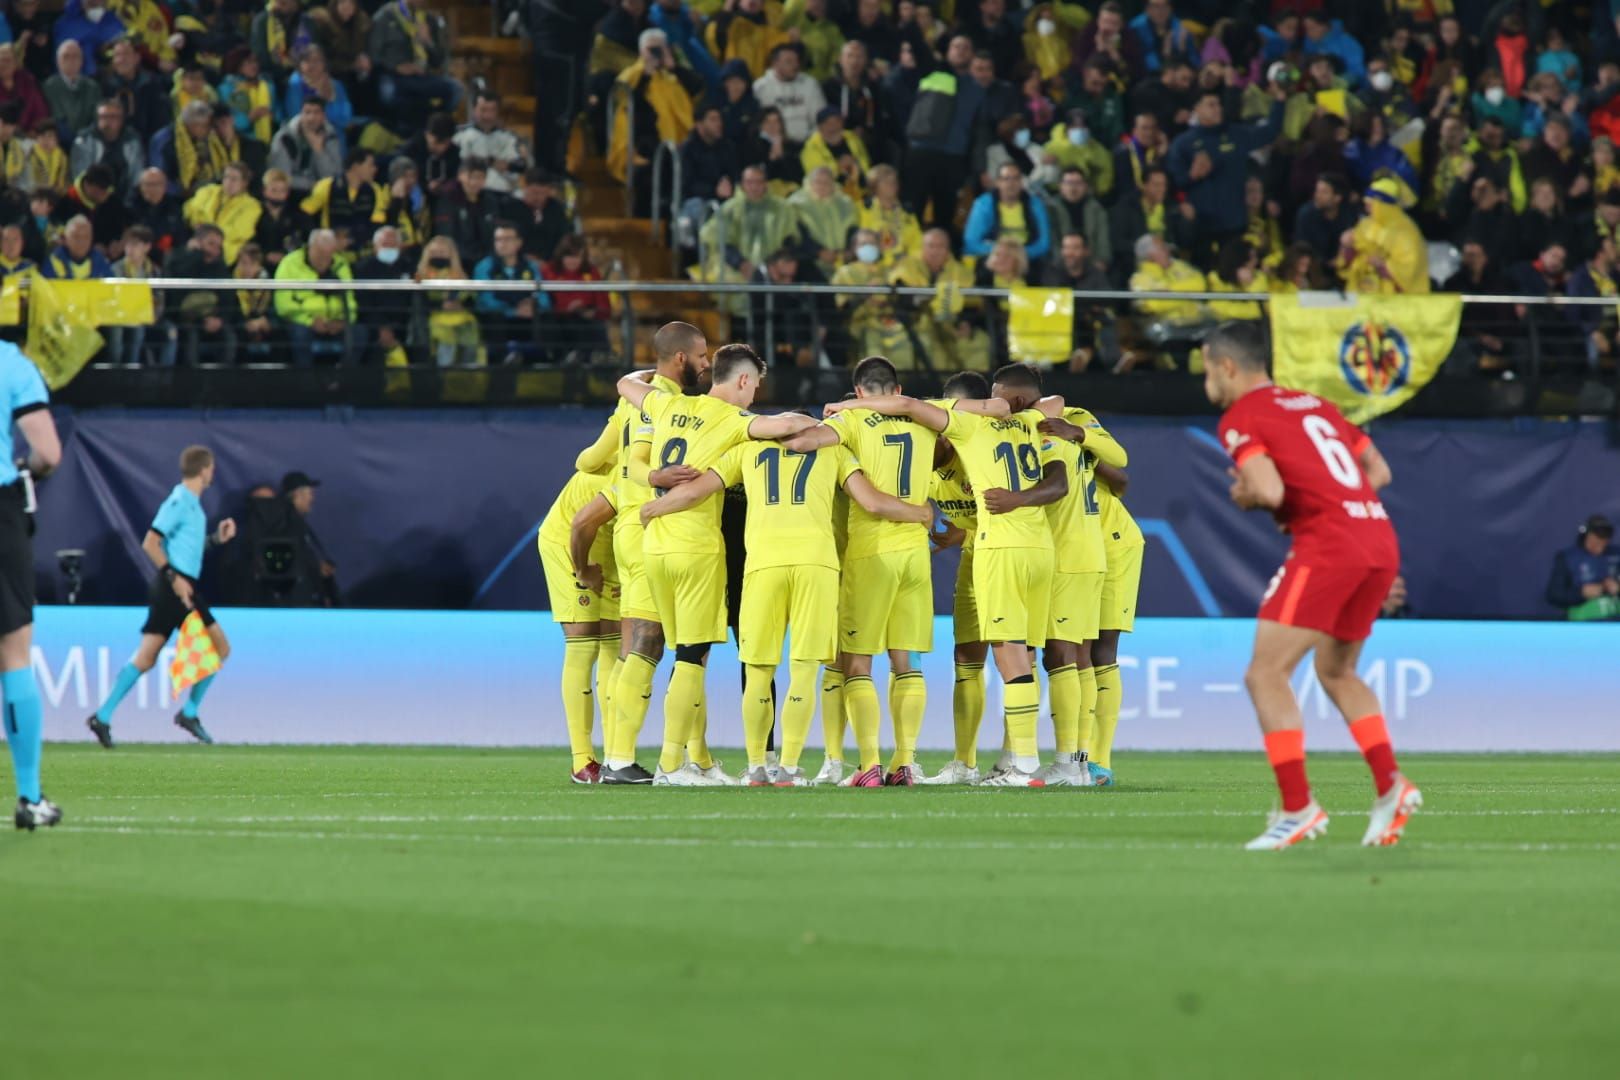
x=840 y=526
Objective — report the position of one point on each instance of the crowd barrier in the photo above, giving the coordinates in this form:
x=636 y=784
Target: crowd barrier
x=491 y=679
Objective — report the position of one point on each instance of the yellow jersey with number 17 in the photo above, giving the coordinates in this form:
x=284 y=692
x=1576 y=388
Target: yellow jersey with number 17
x=1003 y=452
x=694 y=431
x=897 y=455
x=790 y=502
x=1076 y=519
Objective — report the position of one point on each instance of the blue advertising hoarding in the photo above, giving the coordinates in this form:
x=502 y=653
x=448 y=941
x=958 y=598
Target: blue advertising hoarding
x=491 y=679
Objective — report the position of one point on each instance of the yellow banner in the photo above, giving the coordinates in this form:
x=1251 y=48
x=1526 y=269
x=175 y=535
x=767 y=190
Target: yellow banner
x=1368 y=354
x=1040 y=325
x=62 y=321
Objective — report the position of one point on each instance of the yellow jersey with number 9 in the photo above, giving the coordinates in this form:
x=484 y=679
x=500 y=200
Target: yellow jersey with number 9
x=897 y=455
x=1076 y=519
x=1003 y=452
x=694 y=431
x=790 y=502
x=625 y=422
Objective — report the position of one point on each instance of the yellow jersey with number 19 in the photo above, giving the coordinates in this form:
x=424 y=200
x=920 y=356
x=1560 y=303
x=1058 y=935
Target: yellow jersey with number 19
x=1076 y=519
x=897 y=455
x=1003 y=452
x=790 y=502
x=694 y=431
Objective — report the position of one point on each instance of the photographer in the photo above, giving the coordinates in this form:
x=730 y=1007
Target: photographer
x=1585 y=579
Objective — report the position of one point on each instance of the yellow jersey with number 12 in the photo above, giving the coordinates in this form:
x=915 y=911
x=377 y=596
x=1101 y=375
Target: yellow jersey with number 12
x=1076 y=519
x=625 y=423
x=1003 y=452
x=694 y=431
x=790 y=502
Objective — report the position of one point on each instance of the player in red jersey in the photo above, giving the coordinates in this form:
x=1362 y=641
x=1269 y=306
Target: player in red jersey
x=1319 y=476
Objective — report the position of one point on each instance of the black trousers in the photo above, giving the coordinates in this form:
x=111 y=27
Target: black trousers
x=559 y=85
x=933 y=179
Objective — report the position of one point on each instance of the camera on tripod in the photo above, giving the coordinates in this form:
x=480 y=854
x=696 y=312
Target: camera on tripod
x=71 y=563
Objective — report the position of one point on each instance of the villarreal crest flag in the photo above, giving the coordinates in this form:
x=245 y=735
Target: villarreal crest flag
x=1368 y=354
x=195 y=657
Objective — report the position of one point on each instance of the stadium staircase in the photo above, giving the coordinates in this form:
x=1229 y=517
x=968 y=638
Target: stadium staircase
x=619 y=245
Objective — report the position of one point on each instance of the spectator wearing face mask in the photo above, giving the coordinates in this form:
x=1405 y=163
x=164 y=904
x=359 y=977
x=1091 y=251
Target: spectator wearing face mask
x=873 y=329
x=92 y=25
x=1492 y=102
x=384 y=311
x=1072 y=146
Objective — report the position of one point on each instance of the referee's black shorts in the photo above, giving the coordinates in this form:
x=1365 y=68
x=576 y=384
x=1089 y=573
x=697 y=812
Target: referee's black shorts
x=16 y=561
x=165 y=612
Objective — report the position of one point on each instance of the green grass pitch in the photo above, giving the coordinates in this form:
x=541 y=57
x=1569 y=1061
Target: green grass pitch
x=295 y=913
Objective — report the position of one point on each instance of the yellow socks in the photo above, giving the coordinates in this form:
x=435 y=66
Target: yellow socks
x=1063 y=684
x=682 y=704
x=607 y=670
x=908 y=700
x=833 y=720
x=579 y=655
x=1088 y=708
x=697 y=739
x=758 y=712
x=1023 y=702
x=631 y=694
x=800 y=707
x=967 y=711
x=861 y=703
x=1102 y=739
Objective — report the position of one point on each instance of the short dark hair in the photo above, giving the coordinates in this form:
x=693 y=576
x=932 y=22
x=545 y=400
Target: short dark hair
x=441 y=126
x=474 y=164
x=357 y=155
x=98 y=175
x=730 y=360
x=11 y=113
x=193 y=460
x=1211 y=92
x=967 y=384
x=876 y=375
x=1018 y=377
x=1244 y=343
x=1072 y=169
x=501 y=223
x=138 y=233
x=486 y=95
x=674 y=337
x=704 y=111
x=1337 y=181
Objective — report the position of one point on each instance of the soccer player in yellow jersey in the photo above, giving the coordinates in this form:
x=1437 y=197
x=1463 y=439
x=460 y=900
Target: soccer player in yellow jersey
x=790 y=581
x=682 y=362
x=684 y=554
x=1012 y=547
x=953 y=495
x=1123 y=542
x=1078 y=570
x=585 y=600
x=887 y=598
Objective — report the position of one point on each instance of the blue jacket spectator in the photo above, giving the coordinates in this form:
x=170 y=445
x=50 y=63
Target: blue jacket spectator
x=513 y=267
x=1324 y=35
x=686 y=36
x=76 y=259
x=1216 y=190
x=92 y=33
x=339 y=111
x=1008 y=211
x=1371 y=153
x=1163 y=39
x=1587 y=570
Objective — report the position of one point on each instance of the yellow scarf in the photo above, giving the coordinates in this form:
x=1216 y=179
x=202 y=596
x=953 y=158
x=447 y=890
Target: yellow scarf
x=13 y=159
x=205 y=166
x=247 y=96
x=254 y=302
x=48 y=170
x=414 y=23
x=275 y=37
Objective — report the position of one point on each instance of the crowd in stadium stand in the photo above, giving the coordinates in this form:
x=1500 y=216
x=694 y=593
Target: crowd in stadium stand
x=232 y=141
x=1397 y=146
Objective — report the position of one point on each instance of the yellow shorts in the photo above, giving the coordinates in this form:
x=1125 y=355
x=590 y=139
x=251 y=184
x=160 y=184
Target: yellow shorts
x=571 y=602
x=1117 y=610
x=1013 y=587
x=800 y=602
x=964 y=610
x=1075 y=606
x=689 y=594
x=635 y=597
x=887 y=602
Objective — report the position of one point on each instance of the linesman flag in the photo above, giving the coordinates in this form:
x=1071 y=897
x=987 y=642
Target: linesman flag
x=1368 y=354
x=195 y=657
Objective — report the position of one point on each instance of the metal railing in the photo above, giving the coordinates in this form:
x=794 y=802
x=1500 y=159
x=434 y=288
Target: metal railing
x=667 y=151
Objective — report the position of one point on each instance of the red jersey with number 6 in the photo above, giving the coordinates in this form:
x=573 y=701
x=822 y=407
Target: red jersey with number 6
x=1328 y=506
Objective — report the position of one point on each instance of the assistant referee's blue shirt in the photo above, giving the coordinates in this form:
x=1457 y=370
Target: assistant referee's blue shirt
x=184 y=528
x=22 y=388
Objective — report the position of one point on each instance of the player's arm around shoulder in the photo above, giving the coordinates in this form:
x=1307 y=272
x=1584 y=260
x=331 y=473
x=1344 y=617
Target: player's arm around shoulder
x=683 y=496
x=637 y=387
x=779 y=426
x=886 y=506
x=604 y=451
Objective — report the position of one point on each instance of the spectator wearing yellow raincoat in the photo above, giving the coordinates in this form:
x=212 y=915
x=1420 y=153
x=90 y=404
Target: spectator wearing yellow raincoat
x=663 y=106
x=873 y=328
x=1385 y=252
x=951 y=342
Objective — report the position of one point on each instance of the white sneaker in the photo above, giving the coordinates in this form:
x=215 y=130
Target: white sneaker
x=688 y=775
x=1064 y=774
x=773 y=765
x=832 y=773
x=1007 y=760
x=1013 y=777
x=1287 y=829
x=718 y=775
x=954 y=772
x=1390 y=811
x=794 y=777
x=758 y=776
x=917 y=774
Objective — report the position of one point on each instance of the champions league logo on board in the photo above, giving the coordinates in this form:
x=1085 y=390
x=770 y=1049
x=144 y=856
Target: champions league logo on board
x=1375 y=358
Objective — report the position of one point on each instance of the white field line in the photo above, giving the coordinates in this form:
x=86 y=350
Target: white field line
x=780 y=844
x=535 y=819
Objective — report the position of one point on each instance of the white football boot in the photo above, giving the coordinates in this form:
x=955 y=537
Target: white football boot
x=1064 y=773
x=688 y=775
x=831 y=774
x=1013 y=777
x=1390 y=811
x=1287 y=828
x=954 y=772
